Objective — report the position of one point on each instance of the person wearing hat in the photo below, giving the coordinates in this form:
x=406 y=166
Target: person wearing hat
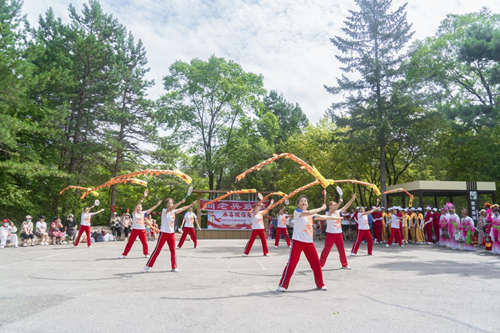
x=480 y=225
x=41 y=231
x=27 y=233
x=385 y=237
x=85 y=225
x=444 y=238
x=394 y=221
x=126 y=223
x=116 y=226
x=436 y=217
x=412 y=216
x=428 y=223
x=467 y=228
x=494 y=233
x=404 y=225
x=419 y=227
x=388 y=221
x=453 y=222
x=377 y=225
x=8 y=232
x=334 y=233
x=70 y=227
x=363 y=231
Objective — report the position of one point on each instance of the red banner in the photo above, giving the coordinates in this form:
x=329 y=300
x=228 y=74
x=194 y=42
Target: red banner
x=230 y=214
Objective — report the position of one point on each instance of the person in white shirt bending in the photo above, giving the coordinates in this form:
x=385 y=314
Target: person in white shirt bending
x=139 y=228
x=85 y=225
x=167 y=233
x=302 y=241
x=188 y=228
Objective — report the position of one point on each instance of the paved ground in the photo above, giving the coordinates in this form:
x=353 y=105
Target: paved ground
x=418 y=288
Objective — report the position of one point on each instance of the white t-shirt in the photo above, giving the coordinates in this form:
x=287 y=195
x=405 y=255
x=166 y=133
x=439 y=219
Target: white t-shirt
x=334 y=226
x=363 y=222
x=85 y=219
x=138 y=220
x=190 y=217
x=257 y=221
x=41 y=226
x=394 y=221
x=281 y=221
x=303 y=227
x=345 y=220
x=168 y=221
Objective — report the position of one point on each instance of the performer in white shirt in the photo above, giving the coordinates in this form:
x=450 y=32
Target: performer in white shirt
x=257 y=219
x=282 y=223
x=139 y=228
x=8 y=231
x=85 y=225
x=302 y=241
x=187 y=227
x=167 y=233
x=363 y=231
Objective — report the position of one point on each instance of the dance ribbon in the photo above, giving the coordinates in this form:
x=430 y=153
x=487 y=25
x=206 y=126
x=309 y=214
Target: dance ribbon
x=267 y=196
x=300 y=189
x=115 y=182
x=374 y=187
x=312 y=170
x=79 y=188
x=227 y=195
x=402 y=190
x=154 y=172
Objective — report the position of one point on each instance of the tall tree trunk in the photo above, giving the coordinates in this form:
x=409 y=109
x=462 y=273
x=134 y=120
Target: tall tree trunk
x=119 y=154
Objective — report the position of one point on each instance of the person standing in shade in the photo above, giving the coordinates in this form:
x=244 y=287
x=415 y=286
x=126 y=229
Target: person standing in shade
x=139 y=228
x=302 y=241
x=494 y=234
x=377 y=226
x=419 y=228
x=70 y=227
x=363 y=231
x=187 y=227
x=167 y=233
x=394 y=222
x=85 y=226
x=334 y=233
x=428 y=220
x=281 y=228
x=467 y=229
x=126 y=223
x=436 y=217
x=453 y=224
x=443 y=228
x=404 y=225
x=481 y=222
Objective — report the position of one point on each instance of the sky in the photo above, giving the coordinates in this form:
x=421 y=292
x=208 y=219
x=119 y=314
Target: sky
x=287 y=41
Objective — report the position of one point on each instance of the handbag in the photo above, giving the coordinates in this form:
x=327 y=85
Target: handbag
x=446 y=234
x=474 y=239
x=458 y=237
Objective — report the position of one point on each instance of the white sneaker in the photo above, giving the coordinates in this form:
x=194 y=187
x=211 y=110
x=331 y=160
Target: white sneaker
x=177 y=248
x=146 y=269
x=245 y=255
x=90 y=246
x=73 y=247
x=196 y=247
x=275 y=247
x=429 y=243
x=15 y=246
x=122 y=257
x=386 y=245
x=353 y=254
x=266 y=255
x=176 y=270
x=346 y=267
x=281 y=289
x=324 y=288
x=289 y=246
x=402 y=246
x=1 y=247
x=147 y=256
x=24 y=245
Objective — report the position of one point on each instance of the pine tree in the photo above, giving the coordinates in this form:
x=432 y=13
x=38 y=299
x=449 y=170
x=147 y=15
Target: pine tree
x=371 y=50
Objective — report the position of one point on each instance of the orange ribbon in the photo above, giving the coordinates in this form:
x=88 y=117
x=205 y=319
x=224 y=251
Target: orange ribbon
x=227 y=195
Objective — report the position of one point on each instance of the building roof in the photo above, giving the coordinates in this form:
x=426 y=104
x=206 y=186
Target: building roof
x=425 y=185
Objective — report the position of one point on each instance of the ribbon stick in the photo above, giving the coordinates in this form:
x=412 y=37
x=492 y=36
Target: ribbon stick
x=397 y=190
x=267 y=196
x=300 y=189
x=79 y=188
x=374 y=187
x=227 y=195
x=312 y=170
x=154 y=172
x=115 y=182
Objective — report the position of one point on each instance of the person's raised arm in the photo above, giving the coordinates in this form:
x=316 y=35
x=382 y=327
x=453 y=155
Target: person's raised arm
x=99 y=211
x=349 y=203
x=336 y=207
x=327 y=217
x=180 y=210
x=175 y=206
x=313 y=211
x=153 y=208
x=371 y=211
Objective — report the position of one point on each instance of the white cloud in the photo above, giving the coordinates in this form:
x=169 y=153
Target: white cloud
x=287 y=41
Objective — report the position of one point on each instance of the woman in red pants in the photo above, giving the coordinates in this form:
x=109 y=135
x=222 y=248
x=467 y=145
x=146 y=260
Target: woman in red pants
x=281 y=228
x=139 y=228
x=257 y=219
x=334 y=233
x=188 y=228
x=363 y=231
x=85 y=225
x=167 y=233
x=302 y=241
x=394 y=220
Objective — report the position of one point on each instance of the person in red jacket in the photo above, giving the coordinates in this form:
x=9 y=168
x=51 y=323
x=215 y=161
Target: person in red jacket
x=377 y=225
x=428 y=220
x=436 y=217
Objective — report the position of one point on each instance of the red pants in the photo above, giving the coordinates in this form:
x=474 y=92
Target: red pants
x=141 y=233
x=311 y=256
x=83 y=228
x=262 y=236
x=366 y=234
x=397 y=233
x=339 y=242
x=190 y=231
x=278 y=236
x=428 y=231
x=436 y=230
x=170 y=239
x=377 y=227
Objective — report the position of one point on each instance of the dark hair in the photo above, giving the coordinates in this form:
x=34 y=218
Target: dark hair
x=332 y=203
x=301 y=197
x=173 y=201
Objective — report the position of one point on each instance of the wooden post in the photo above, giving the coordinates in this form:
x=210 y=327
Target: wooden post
x=199 y=208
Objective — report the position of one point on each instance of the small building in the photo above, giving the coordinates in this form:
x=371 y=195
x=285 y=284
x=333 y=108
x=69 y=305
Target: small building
x=470 y=195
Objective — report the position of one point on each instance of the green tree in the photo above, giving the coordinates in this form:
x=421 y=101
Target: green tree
x=372 y=49
x=203 y=104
